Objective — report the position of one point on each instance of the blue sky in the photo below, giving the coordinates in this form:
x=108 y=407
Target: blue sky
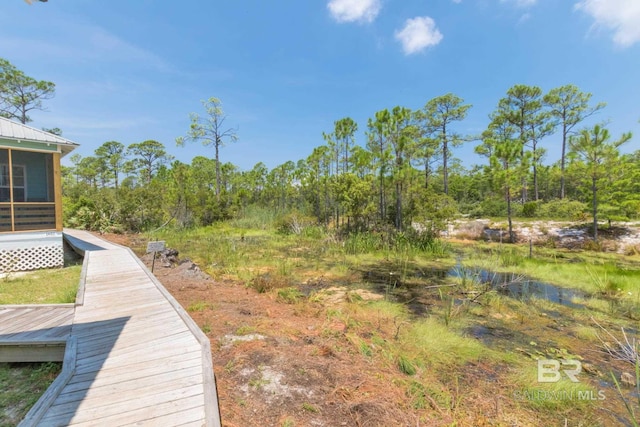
x=285 y=70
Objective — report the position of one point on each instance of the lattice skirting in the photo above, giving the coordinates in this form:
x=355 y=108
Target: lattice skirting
x=31 y=258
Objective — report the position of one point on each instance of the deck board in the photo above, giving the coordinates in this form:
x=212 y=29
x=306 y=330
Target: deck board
x=35 y=323
x=139 y=358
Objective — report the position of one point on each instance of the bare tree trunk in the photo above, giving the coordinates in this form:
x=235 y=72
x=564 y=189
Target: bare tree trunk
x=535 y=181
x=562 y=158
x=511 y=239
x=382 y=215
x=445 y=169
x=594 y=190
x=217 y=144
x=398 y=206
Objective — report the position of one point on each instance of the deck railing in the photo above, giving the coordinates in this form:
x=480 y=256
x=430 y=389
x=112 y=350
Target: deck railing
x=27 y=216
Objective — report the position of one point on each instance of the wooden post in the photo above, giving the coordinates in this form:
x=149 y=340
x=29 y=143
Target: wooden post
x=57 y=190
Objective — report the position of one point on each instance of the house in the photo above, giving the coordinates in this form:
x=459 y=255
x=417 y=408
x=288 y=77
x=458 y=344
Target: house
x=30 y=197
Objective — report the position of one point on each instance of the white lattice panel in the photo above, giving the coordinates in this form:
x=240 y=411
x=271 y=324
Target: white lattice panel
x=31 y=258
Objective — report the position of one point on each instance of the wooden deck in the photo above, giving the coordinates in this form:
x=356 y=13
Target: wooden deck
x=138 y=358
x=34 y=333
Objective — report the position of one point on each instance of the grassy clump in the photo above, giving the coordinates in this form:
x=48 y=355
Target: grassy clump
x=405 y=365
x=200 y=306
x=289 y=295
x=439 y=345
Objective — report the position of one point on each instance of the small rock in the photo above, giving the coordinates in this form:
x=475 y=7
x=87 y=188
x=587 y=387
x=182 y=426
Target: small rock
x=627 y=379
x=590 y=369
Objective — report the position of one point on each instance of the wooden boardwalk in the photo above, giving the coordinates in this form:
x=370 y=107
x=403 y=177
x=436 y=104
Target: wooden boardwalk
x=138 y=358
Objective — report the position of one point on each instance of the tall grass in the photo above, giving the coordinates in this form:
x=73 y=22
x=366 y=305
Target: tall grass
x=255 y=217
x=406 y=243
x=363 y=243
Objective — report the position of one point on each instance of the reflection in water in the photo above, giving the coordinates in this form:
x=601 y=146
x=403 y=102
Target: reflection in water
x=520 y=287
x=509 y=284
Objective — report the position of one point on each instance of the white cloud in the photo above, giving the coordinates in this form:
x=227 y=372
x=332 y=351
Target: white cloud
x=520 y=3
x=418 y=34
x=620 y=16
x=354 y=10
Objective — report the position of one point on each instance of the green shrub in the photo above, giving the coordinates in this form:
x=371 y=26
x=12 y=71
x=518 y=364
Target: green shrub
x=562 y=209
x=631 y=208
x=529 y=209
x=497 y=208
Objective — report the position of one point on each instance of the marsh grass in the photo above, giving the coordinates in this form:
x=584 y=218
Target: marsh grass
x=51 y=286
x=439 y=345
x=387 y=332
x=587 y=333
x=267 y=260
x=591 y=272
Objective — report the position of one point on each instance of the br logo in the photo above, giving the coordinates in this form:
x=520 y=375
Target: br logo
x=550 y=370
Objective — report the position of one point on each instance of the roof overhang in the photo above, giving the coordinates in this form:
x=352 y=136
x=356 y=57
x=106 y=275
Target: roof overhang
x=32 y=137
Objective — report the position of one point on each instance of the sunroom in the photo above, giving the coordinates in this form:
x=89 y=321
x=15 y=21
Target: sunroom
x=30 y=197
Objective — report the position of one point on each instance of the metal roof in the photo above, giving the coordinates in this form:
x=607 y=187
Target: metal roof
x=13 y=130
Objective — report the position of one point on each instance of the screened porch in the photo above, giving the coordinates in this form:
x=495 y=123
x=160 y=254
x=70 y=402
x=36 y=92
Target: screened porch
x=30 y=195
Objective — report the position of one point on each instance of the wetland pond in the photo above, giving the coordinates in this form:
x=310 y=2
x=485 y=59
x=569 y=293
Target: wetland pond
x=510 y=284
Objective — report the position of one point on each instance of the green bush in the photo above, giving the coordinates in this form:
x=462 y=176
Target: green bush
x=563 y=209
x=497 y=208
x=631 y=208
x=529 y=209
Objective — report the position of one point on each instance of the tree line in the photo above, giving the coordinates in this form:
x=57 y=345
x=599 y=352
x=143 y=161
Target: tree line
x=404 y=173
